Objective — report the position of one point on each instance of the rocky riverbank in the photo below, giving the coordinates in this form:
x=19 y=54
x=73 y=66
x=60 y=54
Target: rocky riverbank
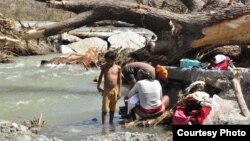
x=127 y=136
x=10 y=131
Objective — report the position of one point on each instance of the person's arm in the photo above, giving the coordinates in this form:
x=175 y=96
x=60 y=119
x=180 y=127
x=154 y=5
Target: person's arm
x=100 y=81
x=119 y=82
x=133 y=91
x=161 y=93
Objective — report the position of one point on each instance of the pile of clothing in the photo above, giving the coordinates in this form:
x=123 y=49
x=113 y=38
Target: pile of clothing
x=221 y=62
x=195 y=108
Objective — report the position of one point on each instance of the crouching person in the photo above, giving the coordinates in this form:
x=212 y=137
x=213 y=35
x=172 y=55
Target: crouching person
x=145 y=98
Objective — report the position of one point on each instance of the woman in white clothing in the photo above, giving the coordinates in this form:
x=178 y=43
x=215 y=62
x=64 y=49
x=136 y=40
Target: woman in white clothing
x=149 y=92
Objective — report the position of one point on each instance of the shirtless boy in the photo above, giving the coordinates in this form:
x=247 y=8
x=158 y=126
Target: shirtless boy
x=112 y=86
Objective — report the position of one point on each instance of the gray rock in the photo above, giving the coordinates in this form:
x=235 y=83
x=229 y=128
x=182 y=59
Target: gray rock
x=127 y=39
x=15 y=132
x=23 y=138
x=82 y=46
x=70 y=38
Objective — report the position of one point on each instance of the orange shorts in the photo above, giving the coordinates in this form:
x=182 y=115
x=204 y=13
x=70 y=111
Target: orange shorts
x=109 y=99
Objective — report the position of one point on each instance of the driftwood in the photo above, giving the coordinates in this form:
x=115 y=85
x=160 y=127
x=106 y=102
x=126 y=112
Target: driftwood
x=7 y=41
x=4 y=58
x=87 y=60
x=188 y=31
x=150 y=122
x=35 y=125
x=239 y=96
x=12 y=45
x=92 y=58
x=158 y=120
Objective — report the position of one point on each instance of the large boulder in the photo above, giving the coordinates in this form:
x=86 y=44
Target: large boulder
x=82 y=46
x=127 y=39
x=65 y=49
x=69 y=38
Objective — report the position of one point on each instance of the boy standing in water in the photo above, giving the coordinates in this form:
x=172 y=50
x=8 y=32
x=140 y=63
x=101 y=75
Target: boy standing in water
x=112 y=86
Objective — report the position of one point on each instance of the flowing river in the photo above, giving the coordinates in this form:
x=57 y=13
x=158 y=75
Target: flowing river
x=65 y=96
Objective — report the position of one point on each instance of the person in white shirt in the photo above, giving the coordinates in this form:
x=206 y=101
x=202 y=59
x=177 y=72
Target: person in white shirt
x=149 y=94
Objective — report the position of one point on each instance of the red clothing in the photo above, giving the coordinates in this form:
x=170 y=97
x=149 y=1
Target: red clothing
x=222 y=65
x=192 y=112
x=152 y=110
x=179 y=117
x=198 y=116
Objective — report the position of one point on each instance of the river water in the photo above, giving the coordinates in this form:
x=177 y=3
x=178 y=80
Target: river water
x=65 y=96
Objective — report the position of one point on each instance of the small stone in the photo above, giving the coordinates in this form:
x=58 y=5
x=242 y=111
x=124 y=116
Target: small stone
x=15 y=125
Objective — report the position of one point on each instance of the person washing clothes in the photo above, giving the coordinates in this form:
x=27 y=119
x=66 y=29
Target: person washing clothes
x=130 y=70
x=147 y=94
x=130 y=74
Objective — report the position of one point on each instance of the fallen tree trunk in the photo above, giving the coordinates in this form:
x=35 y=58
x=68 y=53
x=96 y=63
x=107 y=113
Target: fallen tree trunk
x=194 y=5
x=189 y=31
x=105 y=32
x=239 y=96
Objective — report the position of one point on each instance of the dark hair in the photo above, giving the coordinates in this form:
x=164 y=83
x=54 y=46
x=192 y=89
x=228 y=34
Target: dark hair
x=110 y=55
x=144 y=74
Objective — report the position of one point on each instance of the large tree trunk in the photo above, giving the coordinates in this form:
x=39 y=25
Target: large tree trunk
x=194 y=5
x=189 y=31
